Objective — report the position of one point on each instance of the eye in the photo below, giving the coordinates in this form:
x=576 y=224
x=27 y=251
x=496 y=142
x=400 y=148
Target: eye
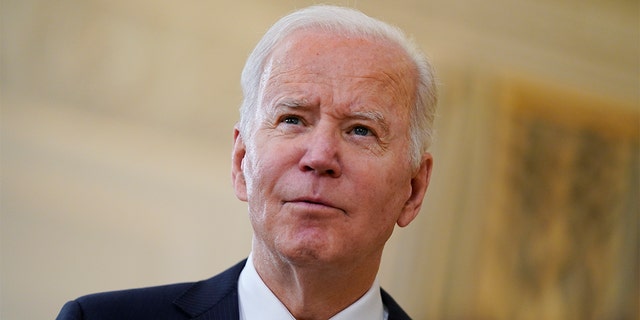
x=291 y=120
x=361 y=131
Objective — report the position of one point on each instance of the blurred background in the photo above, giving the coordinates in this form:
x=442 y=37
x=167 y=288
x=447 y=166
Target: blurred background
x=116 y=130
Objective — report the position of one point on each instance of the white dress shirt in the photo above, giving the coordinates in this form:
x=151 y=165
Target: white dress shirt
x=257 y=302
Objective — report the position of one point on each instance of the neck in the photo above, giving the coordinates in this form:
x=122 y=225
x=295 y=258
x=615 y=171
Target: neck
x=314 y=291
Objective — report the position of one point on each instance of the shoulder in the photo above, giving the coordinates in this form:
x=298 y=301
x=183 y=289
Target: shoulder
x=143 y=303
x=174 y=301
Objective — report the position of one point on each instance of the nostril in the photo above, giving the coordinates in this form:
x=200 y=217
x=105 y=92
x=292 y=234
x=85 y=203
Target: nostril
x=325 y=172
x=322 y=160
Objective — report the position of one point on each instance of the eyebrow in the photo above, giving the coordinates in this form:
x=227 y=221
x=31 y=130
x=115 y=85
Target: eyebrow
x=368 y=115
x=292 y=103
x=374 y=116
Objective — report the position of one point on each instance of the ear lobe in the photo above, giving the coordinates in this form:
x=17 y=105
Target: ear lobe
x=419 y=184
x=237 y=166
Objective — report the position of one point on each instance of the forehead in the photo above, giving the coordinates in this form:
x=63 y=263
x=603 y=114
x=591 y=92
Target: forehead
x=317 y=47
x=343 y=63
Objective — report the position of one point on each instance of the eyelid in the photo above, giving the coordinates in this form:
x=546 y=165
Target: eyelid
x=287 y=108
x=373 y=120
x=283 y=117
x=292 y=107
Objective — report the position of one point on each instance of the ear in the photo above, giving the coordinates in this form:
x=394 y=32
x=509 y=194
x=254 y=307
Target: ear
x=419 y=184
x=237 y=172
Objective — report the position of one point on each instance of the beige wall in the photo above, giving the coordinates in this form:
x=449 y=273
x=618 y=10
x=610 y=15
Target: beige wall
x=116 y=128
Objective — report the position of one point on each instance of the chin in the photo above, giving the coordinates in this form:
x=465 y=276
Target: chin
x=309 y=250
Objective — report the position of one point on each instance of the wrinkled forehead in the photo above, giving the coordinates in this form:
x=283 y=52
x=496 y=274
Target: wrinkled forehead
x=316 y=48
x=317 y=55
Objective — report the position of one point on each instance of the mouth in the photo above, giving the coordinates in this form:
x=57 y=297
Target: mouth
x=314 y=204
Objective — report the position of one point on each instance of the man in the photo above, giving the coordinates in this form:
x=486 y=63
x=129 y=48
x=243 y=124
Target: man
x=330 y=154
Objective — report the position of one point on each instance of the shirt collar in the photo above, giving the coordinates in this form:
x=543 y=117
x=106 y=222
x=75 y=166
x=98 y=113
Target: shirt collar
x=256 y=301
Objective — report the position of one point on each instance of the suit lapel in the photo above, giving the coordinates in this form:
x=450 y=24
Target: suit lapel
x=215 y=298
x=395 y=311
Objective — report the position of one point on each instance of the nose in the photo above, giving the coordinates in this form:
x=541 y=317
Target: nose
x=321 y=155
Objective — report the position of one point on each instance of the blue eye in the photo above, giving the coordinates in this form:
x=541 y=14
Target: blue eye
x=291 y=120
x=361 y=131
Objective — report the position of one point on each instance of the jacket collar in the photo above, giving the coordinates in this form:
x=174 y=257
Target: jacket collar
x=214 y=298
x=217 y=298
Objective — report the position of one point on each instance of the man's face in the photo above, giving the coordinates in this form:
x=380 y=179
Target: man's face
x=327 y=170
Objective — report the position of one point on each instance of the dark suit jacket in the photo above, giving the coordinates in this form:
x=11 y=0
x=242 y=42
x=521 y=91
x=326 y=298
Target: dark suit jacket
x=214 y=298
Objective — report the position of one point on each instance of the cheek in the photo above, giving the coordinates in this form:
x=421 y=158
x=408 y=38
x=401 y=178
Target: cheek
x=386 y=195
x=261 y=175
x=253 y=166
x=248 y=172
x=255 y=192
x=254 y=175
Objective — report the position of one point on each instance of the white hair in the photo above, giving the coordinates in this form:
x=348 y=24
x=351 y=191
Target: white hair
x=348 y=22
